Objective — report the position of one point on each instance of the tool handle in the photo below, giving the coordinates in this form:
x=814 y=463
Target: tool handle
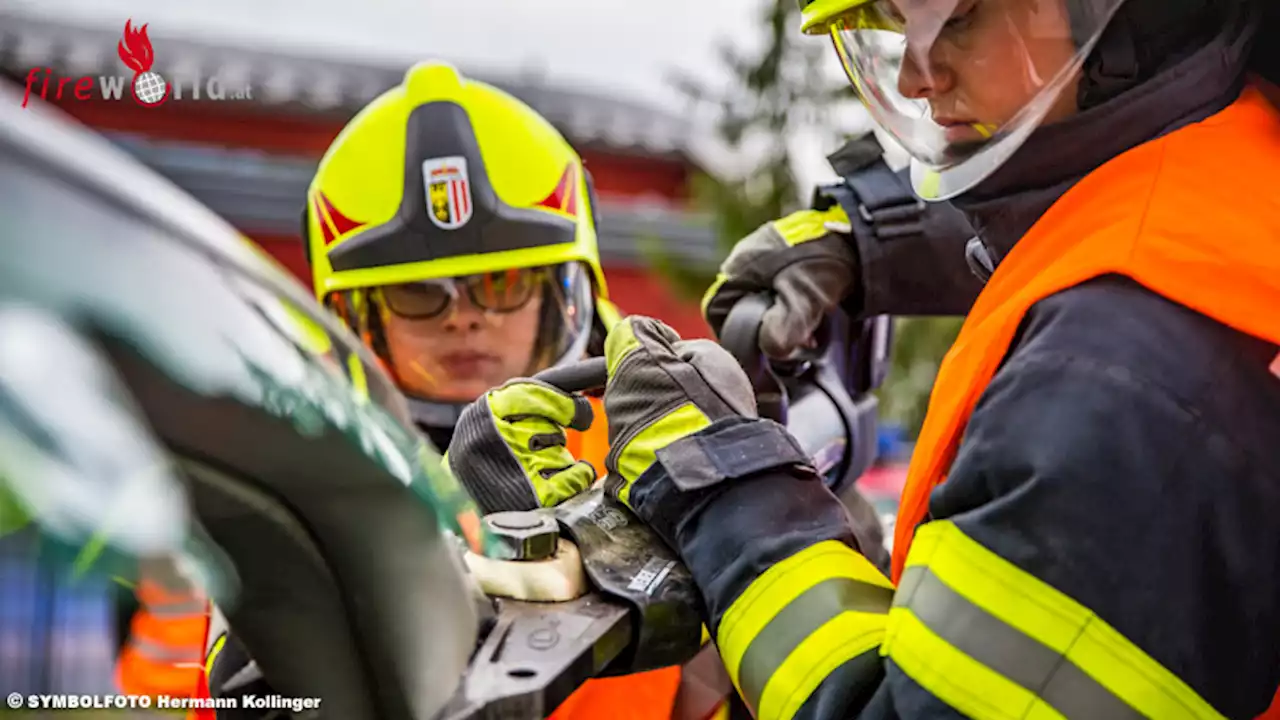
x=740 y=336
x=589 y=374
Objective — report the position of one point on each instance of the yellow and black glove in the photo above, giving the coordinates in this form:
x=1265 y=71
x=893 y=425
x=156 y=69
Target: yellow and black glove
x=518 y=431
x=682 y=419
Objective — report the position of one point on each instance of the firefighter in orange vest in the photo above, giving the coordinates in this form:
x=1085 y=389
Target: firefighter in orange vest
x=161 y=623
x=1089 y=525
x=453 y=229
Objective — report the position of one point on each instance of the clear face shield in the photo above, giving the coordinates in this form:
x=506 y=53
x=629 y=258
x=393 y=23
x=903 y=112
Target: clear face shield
x=448 y=340
x=960 y=84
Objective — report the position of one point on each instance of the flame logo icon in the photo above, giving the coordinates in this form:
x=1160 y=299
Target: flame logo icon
x=134 y=49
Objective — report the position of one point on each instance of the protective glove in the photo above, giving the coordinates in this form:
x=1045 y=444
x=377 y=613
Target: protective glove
x=688 y=406
x=808 y=261
x=509 y=451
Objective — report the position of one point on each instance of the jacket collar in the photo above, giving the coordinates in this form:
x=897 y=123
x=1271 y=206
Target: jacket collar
x=1004 y=206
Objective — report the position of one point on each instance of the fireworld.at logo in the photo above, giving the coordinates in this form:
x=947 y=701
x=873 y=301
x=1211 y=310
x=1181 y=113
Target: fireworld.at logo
x=147 y=87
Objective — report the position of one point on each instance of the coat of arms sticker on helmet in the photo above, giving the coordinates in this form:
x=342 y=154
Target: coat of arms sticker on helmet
x=448 y=190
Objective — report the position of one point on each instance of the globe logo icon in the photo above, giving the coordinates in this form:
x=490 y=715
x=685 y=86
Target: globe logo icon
x=134 y=48
x=150 y=88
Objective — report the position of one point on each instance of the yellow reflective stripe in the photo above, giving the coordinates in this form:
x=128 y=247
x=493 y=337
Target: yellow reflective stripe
x=212 y=657
x=807 y=225
x=840 y=640
x=1045 y=679
x=798 y=621
x=955 y=678
x=1024 y=647
x=721 y=279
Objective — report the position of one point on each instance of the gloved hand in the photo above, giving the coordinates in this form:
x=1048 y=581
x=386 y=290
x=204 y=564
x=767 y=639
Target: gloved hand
x=509 y=451
x=687 y=405
x=808 y=261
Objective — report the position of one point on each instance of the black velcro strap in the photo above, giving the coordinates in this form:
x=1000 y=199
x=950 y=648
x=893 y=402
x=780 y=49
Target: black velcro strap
x=885 y=202
x=855 y=155
x=730 y=452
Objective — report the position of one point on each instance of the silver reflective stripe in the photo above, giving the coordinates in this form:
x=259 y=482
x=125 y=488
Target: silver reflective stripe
x=178 y=609
x=156 y=652
x=801 y=617
x=1006 y=650
x=244 y=676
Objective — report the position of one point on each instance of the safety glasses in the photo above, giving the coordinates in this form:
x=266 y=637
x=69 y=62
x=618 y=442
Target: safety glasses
x=503 y=291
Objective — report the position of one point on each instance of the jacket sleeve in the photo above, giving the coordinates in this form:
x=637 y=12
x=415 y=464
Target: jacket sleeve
x=1097 y=551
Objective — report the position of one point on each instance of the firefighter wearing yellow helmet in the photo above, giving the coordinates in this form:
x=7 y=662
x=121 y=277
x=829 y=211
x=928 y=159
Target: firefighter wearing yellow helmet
x=453 y=228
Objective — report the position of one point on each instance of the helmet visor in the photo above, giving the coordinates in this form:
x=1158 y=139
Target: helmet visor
x=961 y=83
x=451 y=339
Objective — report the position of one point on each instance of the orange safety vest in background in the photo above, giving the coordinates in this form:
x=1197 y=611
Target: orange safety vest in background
x=1192 y=216
x=591 y=444
x=202 y=684
x=165 y=649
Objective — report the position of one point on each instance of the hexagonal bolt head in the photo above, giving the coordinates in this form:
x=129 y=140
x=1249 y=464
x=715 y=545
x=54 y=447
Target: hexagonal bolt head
x=523 y=534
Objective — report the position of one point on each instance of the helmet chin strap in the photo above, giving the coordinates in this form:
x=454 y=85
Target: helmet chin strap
x=436 y=420
x=435 y=414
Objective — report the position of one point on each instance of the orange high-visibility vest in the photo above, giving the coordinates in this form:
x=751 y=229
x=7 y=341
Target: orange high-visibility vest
x=591 y=444
x=166 y=642
x=201 y=691
x=1192 y=216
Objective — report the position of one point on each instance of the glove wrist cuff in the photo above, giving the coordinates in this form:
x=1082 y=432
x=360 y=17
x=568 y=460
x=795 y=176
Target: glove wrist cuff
x=690 y=473
x=730 y=449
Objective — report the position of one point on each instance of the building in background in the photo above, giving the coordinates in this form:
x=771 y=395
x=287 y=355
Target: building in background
x=250 y=159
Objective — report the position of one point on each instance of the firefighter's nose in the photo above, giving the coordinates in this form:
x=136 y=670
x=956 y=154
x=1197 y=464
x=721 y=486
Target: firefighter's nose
x=463 y=315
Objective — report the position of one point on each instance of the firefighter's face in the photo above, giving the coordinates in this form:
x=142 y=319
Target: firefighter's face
x=459 y=354
x=980 y=62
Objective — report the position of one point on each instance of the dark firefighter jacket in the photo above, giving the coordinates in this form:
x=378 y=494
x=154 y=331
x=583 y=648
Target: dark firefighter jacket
x=1105 y=539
